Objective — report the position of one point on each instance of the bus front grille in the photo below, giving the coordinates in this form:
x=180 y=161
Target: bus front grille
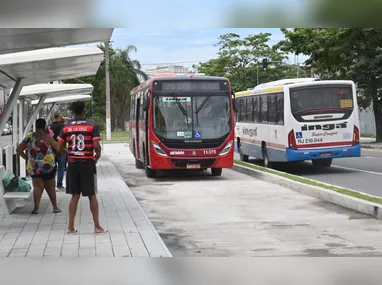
x=183 y=145
x=203 y=162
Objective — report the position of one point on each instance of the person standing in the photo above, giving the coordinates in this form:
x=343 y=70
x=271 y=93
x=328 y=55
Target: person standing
x=37 y=150
x=84 y=150
x=56 y=127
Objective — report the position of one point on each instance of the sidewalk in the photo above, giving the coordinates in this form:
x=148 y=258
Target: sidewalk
x=130 y=231
x=370 y=143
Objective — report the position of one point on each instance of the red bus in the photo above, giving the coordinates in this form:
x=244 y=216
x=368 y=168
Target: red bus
x=182 y=122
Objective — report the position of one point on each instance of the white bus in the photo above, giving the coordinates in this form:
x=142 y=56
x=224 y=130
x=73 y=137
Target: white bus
x=297 y=120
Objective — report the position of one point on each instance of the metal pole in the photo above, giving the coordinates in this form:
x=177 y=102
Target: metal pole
x=257 y=73
x=108 y=122
x=12 y=102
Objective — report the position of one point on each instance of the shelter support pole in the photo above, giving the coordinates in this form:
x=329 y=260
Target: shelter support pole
x=35 y=113
x=15 y=116
x=33 y=117
x=21 y=120
x=12 y=102
x=50 y=112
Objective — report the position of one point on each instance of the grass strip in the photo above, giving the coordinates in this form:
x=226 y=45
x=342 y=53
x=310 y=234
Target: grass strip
x=117 y=136
x=313 y=183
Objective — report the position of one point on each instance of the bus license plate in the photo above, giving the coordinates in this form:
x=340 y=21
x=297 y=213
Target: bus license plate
x=193 y=166
x=326 y=154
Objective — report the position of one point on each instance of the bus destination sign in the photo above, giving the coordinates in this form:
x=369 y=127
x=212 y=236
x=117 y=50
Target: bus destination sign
x=192 y=86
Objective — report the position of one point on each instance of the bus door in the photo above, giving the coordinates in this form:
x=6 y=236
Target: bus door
x=137 y=117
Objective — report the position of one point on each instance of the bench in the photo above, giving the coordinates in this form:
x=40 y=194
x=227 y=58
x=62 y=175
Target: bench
x=8 y=200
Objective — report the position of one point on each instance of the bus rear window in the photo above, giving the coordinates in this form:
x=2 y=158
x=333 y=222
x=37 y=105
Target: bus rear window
x=321 y=99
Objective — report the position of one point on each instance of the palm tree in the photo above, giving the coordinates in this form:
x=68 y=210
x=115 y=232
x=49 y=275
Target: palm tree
x=124 y=72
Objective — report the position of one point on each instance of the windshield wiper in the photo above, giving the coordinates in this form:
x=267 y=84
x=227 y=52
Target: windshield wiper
x=203 y=103
x=184 y=111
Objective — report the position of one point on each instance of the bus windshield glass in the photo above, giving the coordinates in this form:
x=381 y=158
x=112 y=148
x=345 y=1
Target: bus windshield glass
x=321 y=99
x=186 y=117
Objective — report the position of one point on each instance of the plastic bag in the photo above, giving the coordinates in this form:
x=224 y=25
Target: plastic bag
x=23 y=185
x=8 y=178
x=17 y=185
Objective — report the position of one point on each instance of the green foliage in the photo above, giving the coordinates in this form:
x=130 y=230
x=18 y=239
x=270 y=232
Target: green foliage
x=100 y=122
x=344 y=53
x=124 y=73
x=240 y=60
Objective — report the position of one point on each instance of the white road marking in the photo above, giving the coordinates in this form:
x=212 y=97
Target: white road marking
x=360 y=170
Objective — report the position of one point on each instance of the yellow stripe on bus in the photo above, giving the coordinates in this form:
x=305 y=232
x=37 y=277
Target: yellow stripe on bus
x=273 y=89
x=243 y=93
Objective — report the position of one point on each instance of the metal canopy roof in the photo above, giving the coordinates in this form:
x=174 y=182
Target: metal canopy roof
x=18 y=40
x=65 y=99
x=34 y=92
x=46 y=65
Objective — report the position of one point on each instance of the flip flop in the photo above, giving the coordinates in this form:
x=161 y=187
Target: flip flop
x=104 y=232
x=56 y=211
x=72 y=233
x=34 y=212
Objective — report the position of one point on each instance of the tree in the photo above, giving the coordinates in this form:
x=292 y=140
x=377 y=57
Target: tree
x=124 y=73
x=344 y=53
x=240 y=60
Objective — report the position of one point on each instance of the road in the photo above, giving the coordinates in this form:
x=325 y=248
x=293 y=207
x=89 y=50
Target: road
x=237 y=215
x=362 y=174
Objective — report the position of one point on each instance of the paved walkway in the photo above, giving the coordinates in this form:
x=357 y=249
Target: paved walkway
x=130 y=231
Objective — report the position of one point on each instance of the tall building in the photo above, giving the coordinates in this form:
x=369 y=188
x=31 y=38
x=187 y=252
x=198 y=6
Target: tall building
x=166 y=69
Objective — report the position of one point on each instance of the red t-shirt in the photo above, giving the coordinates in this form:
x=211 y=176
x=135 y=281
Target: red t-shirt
x=80 y=134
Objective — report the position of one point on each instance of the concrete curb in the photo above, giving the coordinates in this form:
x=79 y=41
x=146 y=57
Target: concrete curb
x=339 y=199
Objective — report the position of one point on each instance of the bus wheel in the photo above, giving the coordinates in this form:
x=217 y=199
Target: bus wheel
x=150 y=173
x=216 y=171
x=243 y=157
x=139 y=164
x=321 y=163
x=265 y=157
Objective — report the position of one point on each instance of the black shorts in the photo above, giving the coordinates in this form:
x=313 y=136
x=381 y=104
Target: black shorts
x=46 y=176
x=81 y=178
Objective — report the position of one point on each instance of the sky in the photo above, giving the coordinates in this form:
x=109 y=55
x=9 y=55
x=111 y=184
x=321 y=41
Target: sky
x=182 y=46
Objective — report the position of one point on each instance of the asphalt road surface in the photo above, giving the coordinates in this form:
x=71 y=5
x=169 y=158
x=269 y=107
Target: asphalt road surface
x=237 y=215
x=362 y=174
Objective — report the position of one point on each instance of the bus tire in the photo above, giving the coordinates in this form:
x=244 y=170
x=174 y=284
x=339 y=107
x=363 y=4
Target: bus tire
x=243 y=157
x=266 y=162
x=322 y=163
x=138 y=164
x=216 y=171
x=150 y=173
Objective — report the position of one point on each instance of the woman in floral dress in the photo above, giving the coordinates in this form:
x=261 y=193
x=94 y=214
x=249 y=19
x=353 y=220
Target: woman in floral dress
x=41 y=164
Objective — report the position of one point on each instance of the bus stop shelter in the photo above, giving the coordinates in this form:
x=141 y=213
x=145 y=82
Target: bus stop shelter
x=19 y=40
x=44 y=65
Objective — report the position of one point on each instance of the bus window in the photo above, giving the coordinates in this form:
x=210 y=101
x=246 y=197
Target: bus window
x=280 y=109
x=264 y=108
x=249 y=110
x=256 y=109
x=242 y=113
x=272 y=111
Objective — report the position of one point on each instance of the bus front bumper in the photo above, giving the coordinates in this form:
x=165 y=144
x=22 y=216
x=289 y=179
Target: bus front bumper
x=312 y=154
x=192 y=162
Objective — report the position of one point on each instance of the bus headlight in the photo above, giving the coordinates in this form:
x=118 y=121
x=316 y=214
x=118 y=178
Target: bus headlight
x=226 y=149
x=158 y=149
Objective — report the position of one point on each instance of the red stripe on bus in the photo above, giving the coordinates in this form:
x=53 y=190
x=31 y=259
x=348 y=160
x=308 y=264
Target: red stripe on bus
x=346 y=143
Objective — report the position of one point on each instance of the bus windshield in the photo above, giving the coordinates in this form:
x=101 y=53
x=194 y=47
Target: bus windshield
x=192 y=117
x=321 y=99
